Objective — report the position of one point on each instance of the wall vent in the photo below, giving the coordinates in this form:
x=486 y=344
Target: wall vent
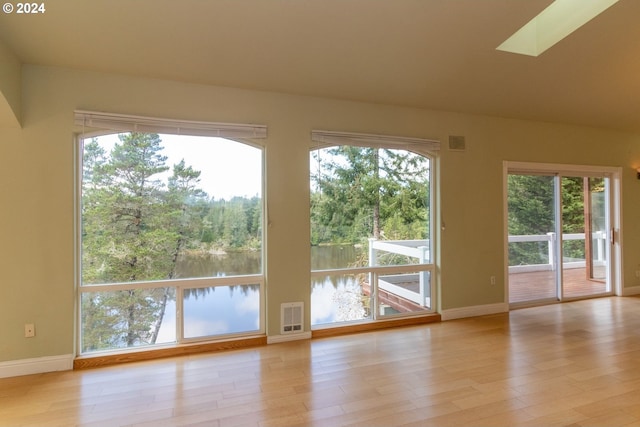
x=291 y=315
x=457 y=143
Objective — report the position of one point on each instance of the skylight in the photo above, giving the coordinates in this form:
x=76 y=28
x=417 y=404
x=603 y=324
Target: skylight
x=557 y=21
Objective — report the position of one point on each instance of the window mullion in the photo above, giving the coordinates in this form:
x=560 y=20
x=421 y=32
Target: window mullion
x=179 y=314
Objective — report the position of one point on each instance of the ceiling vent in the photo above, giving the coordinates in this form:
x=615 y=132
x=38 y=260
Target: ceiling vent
x=291 y=315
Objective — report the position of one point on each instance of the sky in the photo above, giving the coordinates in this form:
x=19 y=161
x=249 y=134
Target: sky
x=228 y=168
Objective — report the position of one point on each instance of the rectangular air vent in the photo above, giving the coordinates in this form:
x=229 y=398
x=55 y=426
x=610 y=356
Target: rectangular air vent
x=457 y=143
x=291 y=315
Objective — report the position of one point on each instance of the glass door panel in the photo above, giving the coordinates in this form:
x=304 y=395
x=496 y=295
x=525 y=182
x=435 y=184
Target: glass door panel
x=599 y=233
x=533 y=245
x=584 y=241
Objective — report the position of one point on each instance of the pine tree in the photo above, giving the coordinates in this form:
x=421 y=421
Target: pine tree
x=134 y=229
x=369 y=192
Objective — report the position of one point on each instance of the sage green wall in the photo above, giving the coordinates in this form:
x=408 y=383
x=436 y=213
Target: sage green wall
x=36 y=219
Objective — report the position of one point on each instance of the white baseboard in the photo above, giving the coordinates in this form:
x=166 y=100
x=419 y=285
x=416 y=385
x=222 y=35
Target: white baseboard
x=476 y=310
x=38 y=365
x=631 y=290
x=290 y=337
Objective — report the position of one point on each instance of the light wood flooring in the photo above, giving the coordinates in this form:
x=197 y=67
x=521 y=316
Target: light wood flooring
x=572 y=364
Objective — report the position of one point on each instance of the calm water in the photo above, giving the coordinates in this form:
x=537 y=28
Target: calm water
x=241 y=263
x=335 y=298
x=338 y=256
x=231 y=264
x=236 y=309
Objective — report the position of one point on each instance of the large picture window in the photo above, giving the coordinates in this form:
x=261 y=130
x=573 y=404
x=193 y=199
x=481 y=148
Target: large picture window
x=170 y=235
x=371 y=227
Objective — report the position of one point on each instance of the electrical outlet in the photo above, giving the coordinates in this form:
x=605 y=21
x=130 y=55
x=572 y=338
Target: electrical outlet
x=29 y=330
x=493 y=280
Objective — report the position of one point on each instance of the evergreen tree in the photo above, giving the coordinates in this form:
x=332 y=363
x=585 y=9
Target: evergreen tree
x=134 y=229
x=184 y=205
x=531 y=200
x=236 y=231
x=369 y=192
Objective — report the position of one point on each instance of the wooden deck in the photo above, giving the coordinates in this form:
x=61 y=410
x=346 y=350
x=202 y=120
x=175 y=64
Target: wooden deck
x=523 y=288
x=540 y=285
x=399 y=304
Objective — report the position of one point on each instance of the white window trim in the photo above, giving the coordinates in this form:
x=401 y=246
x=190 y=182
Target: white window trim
x=92 y=124
x=325 y=138
x=96 y=123
x=425 y=147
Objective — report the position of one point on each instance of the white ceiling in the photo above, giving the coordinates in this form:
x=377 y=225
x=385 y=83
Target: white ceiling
x=437 y=54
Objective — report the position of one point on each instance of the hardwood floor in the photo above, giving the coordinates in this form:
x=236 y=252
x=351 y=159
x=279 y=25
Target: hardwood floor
x=572 y=364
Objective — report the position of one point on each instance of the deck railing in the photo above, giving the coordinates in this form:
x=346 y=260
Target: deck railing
x=419 y=250
x=599 y=251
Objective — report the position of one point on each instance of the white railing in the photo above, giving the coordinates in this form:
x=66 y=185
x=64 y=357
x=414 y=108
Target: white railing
x=412 y=248
x=599 y=250
x=419 y=249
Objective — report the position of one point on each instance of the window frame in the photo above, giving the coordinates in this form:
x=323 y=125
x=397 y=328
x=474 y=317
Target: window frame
x=425 y=148
x=558 y=170
x=124 y=124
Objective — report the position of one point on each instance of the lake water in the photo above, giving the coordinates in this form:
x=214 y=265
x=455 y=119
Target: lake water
x=236 y=309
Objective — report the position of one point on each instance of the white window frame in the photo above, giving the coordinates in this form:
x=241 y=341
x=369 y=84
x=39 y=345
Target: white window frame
x=428 y=148
x=91 y=124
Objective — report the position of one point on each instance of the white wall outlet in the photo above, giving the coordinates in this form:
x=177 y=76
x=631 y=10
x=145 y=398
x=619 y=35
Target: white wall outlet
x=29 y=330
x=493 y=280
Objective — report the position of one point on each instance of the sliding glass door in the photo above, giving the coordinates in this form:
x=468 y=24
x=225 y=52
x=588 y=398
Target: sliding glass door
x=559 y=235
